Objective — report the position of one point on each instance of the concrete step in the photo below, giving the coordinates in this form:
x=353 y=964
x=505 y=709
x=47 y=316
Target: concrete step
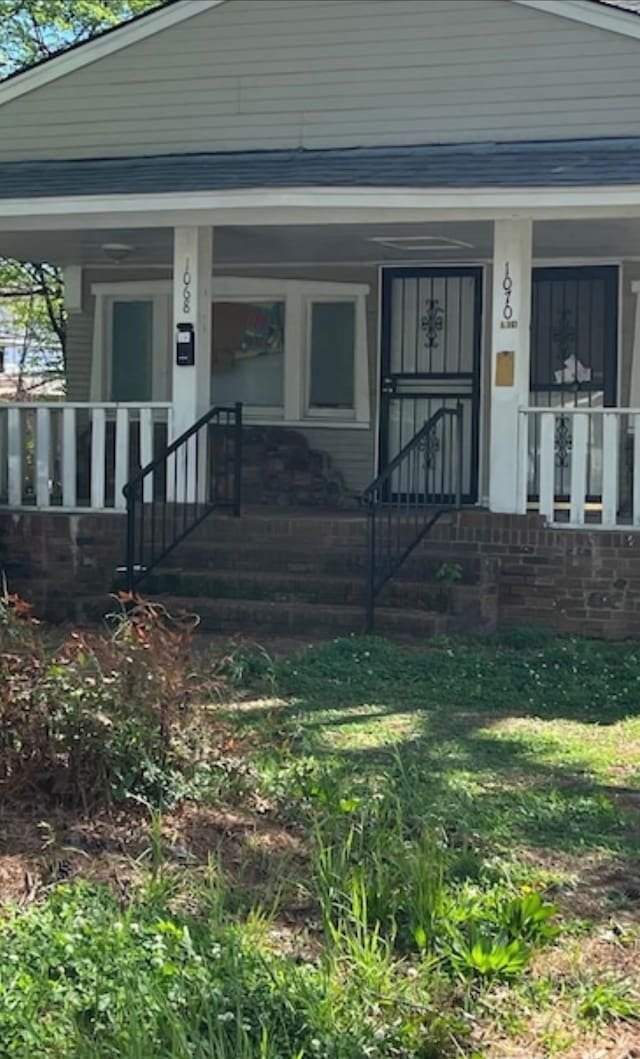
x=298 y=619
x=284 y=587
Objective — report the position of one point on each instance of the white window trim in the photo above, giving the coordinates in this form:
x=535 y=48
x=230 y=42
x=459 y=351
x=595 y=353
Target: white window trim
x=360 y=411
x=102 y=364
x=298 y=296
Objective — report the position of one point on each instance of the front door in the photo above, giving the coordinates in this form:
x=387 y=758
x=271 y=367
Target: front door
x=574 y=340
x=431 y=328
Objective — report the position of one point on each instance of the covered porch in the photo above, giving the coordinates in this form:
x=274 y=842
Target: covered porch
x=340 y=340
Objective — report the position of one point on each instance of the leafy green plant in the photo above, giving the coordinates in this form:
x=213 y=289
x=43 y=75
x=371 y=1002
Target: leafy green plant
x=247 y=665
x=529 y=918
x=607 y=1001
x=447 y=575
x=489 y=957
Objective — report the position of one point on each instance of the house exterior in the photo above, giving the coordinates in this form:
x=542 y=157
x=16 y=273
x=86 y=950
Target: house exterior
x=353 y=218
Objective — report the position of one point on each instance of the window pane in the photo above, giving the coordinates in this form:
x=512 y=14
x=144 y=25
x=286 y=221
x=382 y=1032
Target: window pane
x=132 y=343
x=247 y=361
x=332 y=354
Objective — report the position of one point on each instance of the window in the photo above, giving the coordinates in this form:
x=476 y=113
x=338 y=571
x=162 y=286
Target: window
x=132 y=343
x=131 y=355
x=331 y=355
x=247 y=357
x=292 y=351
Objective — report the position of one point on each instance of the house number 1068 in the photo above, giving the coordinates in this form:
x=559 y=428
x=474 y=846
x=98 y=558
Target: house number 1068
x=186 y=288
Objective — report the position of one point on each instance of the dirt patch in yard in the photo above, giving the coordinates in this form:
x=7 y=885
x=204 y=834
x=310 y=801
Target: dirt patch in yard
x=38 y=851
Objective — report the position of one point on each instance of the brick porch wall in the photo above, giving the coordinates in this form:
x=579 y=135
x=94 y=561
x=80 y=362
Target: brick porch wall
x=578 y=581
x=62 y=564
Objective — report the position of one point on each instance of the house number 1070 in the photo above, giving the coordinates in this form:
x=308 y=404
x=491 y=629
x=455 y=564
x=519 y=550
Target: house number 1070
x=507 y=309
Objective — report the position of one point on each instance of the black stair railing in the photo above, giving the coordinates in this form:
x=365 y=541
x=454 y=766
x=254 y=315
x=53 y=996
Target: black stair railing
x=199 y=472
x=422 y=482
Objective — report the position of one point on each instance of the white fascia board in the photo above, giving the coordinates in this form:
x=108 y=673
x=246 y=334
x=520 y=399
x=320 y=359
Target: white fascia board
x=99 y=47
x=297 y=205
x=614 y=19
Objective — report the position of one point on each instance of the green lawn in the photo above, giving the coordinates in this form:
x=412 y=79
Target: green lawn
x=383 y=852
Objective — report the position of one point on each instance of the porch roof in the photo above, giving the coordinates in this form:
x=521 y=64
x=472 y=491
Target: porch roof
x=558 y=163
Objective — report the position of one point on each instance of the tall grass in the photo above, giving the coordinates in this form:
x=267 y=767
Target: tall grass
x=388 y=887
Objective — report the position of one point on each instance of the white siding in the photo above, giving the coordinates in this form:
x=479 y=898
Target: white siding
x=320 y=73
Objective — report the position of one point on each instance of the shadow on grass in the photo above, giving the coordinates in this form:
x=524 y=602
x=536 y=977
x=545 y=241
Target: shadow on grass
x=429 y=725
x=492 y=791
x=593 y=683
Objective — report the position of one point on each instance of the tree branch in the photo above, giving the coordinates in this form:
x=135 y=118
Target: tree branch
x=51 y=288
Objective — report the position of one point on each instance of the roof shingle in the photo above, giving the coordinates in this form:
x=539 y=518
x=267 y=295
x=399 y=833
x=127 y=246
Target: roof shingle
x=575 y=163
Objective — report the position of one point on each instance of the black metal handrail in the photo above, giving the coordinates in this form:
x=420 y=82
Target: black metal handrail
x=199 y=472
x=409 y=495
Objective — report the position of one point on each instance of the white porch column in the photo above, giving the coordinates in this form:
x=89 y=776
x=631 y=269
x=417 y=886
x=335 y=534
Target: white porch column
x=510 y=352
x=192 y=282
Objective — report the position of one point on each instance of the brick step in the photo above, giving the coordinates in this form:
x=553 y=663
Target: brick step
x=283 y=587
x=258 y=618
x=310 y=527
x=278 y=556
x=331 y=530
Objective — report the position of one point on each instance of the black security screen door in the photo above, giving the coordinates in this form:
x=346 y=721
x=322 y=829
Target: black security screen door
x=574 y=341
x=431 y=325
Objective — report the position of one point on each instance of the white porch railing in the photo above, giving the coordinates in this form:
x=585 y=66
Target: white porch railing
x=77 y=455
x=581 y=466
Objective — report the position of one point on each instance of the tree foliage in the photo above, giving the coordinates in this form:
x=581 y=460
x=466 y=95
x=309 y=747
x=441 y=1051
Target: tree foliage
x=32 y=308
x=31 y=293
x=31 y=30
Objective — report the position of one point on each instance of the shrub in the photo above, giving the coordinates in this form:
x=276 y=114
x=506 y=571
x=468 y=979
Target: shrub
x=104 y=715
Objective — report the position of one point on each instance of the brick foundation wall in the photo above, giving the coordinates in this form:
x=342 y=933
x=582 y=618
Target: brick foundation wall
x=576 y=581
x=64 y=565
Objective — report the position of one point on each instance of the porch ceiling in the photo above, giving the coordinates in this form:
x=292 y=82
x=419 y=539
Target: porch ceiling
x=270 y=247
